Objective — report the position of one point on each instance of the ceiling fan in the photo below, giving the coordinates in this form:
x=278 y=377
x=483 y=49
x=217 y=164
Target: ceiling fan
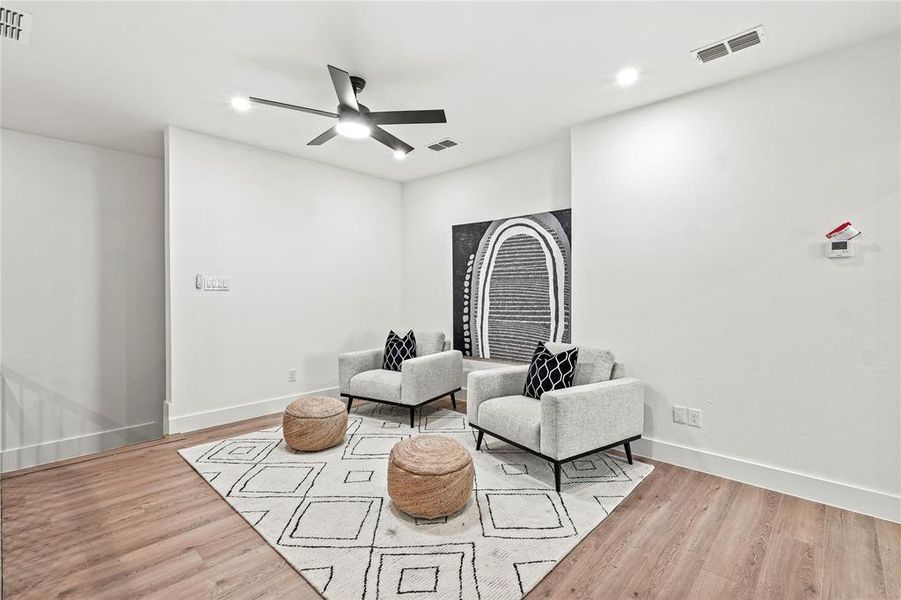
x=354 y=120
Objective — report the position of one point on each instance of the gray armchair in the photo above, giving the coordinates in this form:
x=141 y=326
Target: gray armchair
x=594 y=414
x=433 y=374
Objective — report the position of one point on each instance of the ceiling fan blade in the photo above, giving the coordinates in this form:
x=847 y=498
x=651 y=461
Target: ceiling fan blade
x=389 y=140
x=344 y=88
x=323 y=137
x=314 y=111
x=400 y=117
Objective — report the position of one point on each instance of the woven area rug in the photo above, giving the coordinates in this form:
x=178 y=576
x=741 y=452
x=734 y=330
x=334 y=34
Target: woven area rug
x=329 y=515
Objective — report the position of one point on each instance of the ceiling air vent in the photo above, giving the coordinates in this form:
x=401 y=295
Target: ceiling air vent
x=15 y=26
x=708 y=54
x=730 y=45
x=442 y=145
x=746 y=40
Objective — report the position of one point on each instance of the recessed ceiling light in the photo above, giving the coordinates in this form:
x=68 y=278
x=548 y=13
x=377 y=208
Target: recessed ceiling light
x=400 y=154
x=241 y=104
x=627 y=77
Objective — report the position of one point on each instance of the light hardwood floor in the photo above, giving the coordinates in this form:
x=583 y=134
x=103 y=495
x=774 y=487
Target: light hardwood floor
x=141 y=523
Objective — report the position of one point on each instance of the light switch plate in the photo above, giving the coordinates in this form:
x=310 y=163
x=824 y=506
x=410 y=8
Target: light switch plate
x=678 y=414
x=211 y=283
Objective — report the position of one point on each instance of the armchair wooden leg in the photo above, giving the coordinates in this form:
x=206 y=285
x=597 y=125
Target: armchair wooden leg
x=454 y=400
x=628 y=452
x=350 y=401
x=479 y=440
x=557 y=476
x=412 y=415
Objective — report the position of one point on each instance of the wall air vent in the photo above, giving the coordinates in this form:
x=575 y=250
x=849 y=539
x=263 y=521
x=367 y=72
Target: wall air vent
x=730 y=45
x=443 y=145
x=15 y=26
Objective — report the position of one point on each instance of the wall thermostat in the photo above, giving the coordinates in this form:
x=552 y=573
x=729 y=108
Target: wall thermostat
x=842 y=249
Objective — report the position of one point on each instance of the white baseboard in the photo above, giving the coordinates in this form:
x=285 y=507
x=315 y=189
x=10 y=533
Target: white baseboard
x=870 y=502
x=32 y=455
x=238 y=412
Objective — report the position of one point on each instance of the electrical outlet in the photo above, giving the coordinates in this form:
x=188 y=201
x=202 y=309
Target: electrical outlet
x=292 y=375
x=694 y=417
x=678 y=414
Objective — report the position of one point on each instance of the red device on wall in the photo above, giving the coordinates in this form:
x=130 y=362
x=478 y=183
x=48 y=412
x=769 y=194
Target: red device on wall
x=843 y=233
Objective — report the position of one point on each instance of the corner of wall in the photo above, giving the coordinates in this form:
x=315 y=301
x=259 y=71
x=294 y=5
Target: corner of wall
x=404 y=313
x=166 y=285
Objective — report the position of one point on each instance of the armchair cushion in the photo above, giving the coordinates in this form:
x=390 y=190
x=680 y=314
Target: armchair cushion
x=595 y=365
x=379 y=384
x=429 y=342
x=492 y=383
x=517 y=418
x=353 y=363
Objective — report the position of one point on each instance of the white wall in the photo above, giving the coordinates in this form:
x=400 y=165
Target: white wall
x=698 y=258
x=533 y=181
x=313 y=253
x=82 y=299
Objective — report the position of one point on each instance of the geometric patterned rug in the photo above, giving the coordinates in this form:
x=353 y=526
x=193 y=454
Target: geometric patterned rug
x=329 y=515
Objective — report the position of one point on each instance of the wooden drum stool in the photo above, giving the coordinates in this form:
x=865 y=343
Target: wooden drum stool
x=429 y=476
x=315 y=423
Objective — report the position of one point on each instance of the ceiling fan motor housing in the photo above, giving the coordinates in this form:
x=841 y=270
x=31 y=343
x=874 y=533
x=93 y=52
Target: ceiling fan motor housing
x=358 y=83
x=347 y=114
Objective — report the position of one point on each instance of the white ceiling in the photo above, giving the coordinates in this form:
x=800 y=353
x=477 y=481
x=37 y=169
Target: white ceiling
x=509 y=75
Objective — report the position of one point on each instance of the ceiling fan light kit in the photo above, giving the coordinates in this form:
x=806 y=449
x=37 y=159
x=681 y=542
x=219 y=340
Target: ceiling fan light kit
x=356 y=121
x=353 y=124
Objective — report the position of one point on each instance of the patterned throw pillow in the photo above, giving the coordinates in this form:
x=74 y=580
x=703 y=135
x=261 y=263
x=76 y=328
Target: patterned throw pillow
x=548 y=371
x=398 y=349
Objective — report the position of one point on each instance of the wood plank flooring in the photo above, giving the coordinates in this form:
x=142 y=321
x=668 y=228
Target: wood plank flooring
x=142 y=523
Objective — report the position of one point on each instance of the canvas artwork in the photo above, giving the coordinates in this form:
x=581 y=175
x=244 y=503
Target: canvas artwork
x=511 y=284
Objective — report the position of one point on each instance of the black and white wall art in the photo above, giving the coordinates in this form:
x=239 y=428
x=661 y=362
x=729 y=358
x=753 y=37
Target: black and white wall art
x=511 y=284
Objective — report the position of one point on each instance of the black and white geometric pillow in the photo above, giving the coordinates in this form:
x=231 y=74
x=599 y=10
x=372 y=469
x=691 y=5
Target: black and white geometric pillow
x=548 y=371
x=398 y=349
